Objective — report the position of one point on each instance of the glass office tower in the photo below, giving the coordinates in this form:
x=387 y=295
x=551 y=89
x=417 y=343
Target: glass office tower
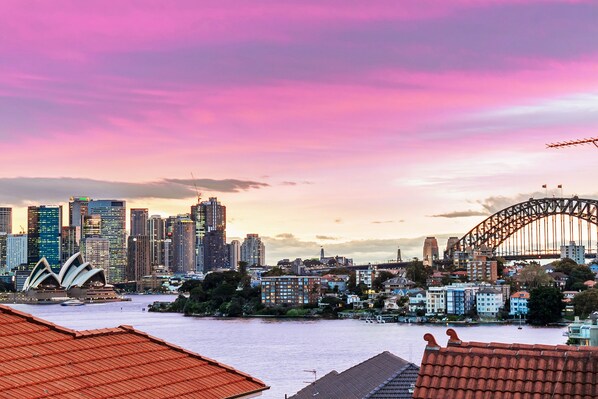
x=113 y=227
x=44 y=228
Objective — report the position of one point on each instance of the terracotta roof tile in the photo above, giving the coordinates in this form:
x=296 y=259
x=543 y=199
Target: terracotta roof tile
x=473 y=370
x=41 y=359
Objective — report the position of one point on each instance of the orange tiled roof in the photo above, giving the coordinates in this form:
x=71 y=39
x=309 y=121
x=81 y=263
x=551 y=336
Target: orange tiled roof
x=40 y=359
x=477 y=370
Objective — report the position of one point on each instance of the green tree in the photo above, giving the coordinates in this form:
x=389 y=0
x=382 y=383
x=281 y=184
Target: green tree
x=352 y=282
x=565 y=265
x=418 y=273
x=243 y=268
x=533 y=276
x=577 y=276
x=585 y=302
x=275 y=271
x=545 y=306
x=188 y=285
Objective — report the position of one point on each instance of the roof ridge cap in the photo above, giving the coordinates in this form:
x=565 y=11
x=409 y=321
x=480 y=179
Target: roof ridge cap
x=229 y=369
x=36 y=320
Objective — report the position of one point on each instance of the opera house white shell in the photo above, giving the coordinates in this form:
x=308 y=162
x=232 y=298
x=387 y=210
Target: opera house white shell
x=76 y=278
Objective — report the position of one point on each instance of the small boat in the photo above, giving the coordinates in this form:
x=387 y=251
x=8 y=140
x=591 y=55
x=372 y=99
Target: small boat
x=73 y=302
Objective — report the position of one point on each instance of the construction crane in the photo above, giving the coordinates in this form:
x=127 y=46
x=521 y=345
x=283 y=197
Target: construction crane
x=196 y=190
x=570 y=143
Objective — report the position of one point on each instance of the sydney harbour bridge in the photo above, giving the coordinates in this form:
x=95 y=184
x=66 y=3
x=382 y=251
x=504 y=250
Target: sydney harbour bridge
x=536 y=229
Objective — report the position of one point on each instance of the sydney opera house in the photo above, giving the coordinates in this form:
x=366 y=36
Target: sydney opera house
x=76 y=279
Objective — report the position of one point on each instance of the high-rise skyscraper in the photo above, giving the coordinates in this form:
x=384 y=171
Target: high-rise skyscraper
x=44 y=229
x=215 y=250
x=253 y=250
x=138 y=262
x=183 y=246
x=69 y=241
x=234 y=254
x=430 y=251
x=16 y=250
x=156 y=230
x=6 y=220
x=77 y=210
x=3 y=252
x=209 y=216
x=97 y=253
x=113 y=227
x=139 y=221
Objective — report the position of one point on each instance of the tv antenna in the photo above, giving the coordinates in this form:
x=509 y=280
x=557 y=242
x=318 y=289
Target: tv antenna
x=570 y=143
x=314 y=372
x=196 y=190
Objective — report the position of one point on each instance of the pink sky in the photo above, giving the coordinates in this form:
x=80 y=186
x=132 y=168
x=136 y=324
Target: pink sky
x=347 y=124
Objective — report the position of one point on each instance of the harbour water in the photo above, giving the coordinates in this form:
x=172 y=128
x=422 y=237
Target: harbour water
x=279 y=351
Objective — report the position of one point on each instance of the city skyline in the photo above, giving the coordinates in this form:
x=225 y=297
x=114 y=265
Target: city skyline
x=358 y=128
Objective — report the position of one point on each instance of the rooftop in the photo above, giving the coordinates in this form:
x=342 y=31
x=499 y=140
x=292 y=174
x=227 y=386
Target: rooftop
x=382 y=376
x=478 y=370
x=39 y=358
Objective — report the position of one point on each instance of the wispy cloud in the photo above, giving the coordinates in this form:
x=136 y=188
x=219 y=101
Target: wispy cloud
x=23 y=190
x=460 y=214
x=326 y=238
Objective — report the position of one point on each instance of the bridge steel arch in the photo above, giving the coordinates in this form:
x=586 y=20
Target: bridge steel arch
x=497 y=228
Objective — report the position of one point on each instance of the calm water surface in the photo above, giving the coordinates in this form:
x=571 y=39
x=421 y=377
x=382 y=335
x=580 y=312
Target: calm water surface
x=277 y=351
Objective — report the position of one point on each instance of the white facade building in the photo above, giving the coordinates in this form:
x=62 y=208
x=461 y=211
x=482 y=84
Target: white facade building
x=97 y=253
x=436 y=300
x=575 y=252
x=488 y=302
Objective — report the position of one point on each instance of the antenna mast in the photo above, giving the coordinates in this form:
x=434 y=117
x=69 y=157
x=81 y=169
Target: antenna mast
x=570 y=143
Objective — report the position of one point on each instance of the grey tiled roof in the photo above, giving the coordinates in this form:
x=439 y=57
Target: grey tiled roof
x=364 y=380
x=400 y=386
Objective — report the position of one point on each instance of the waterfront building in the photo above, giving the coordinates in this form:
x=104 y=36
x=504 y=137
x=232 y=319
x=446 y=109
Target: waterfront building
x=574 y=252
x=16 y=250
x=518 y=302
x=482 y=270
x=115 y=362
x=489 y=301
x=97 y=252
x=460 y=299
x=209 y=216
x=69 y=241
x=584 y=333
x=290 y=290
x=505 y=371
x=253 y=250
x=393 y=378
x=436 y=300
x=183 y=246
x=139 y=218
x=430 y=251
x=234 y=254
x=5 y=220
x=156 y=229
x=138 y=259
x=44 y=229
x=113 y=227
x=417 y=300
